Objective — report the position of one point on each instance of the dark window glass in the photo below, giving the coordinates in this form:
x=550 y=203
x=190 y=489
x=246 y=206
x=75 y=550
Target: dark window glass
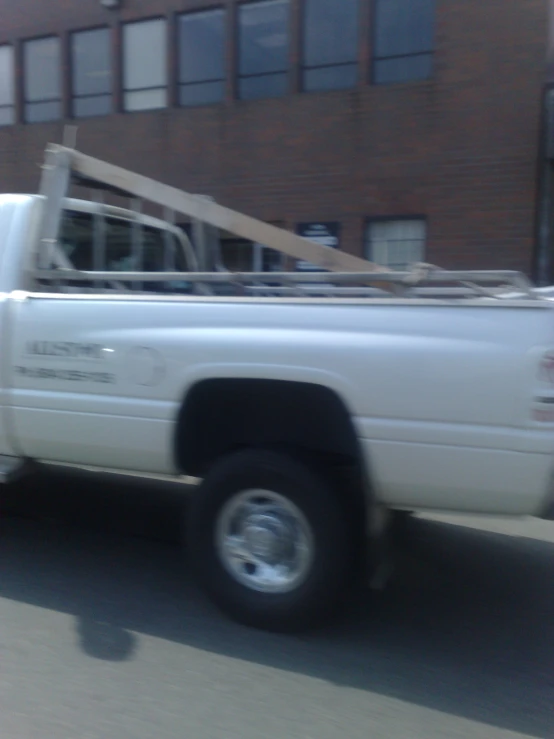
x=272 y=261
x=237 y=254
x=91 y=72
x=42 y=84
x=7 y=87
x=331 y=78
x=41 y=112
x=201 y=93
x=76 y=240
x=241 y=255
x=400 y=69
x=86 y=107
x=330 y=44
x=403 y=40
x=263 y=49
x=158 y=253
x=264 y=86
x=202 y=58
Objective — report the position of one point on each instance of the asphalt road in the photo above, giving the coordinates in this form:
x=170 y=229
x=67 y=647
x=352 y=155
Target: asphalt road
x=103 y=635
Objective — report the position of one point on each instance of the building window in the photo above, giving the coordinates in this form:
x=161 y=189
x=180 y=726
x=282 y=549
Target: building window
x=263 y=49
x=144 y=65
x=241 y=255
x=91 y=72
x=403 y=40
x=43 y=83
x=397 y=243
x=7 y=87
x=202 y=58
x=330 y=66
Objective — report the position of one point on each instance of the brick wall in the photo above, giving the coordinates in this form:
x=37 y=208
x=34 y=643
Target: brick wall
x=460 y=148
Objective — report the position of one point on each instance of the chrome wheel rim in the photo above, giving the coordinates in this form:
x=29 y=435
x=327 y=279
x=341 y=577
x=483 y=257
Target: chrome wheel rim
x=264 y=541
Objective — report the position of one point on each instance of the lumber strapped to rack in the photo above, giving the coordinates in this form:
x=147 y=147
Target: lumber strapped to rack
x=64 y=165
x=201 y=209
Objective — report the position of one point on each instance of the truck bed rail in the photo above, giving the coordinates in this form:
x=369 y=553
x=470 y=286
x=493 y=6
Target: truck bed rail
x=364 y=284
x=341 y=274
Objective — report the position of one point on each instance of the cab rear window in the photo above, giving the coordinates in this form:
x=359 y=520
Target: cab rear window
x=157 y=253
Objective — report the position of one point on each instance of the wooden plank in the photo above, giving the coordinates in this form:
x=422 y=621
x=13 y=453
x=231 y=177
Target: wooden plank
x=216 y=215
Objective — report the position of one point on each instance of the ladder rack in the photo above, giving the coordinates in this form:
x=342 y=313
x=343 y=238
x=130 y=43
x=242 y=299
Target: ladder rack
x=343 y=275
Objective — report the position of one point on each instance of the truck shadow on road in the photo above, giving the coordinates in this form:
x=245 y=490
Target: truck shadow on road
x=466 y=628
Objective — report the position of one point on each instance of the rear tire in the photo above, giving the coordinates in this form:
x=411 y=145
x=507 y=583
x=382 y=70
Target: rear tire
x=270 y=542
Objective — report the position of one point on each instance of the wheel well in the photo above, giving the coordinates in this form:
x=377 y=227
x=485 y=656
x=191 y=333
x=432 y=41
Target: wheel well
x=220 y=416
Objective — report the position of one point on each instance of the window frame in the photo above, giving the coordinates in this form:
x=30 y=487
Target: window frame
x=375 y=59
x=398 y=218
x=224 y=10
x=305 y=67
x=239 y=76
x=73 y=95
x=10 y=106
x=123 y=67
x=60 y=98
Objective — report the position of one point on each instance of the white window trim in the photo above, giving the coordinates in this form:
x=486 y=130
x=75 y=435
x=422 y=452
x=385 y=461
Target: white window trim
x=398 y=249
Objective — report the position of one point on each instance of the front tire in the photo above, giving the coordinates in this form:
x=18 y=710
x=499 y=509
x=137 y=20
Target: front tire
x=270 y=541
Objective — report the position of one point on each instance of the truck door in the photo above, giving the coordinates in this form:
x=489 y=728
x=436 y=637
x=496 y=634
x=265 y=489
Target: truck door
x=88 y=384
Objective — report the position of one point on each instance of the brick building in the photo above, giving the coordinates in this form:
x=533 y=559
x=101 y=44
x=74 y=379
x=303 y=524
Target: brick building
x=402 y=129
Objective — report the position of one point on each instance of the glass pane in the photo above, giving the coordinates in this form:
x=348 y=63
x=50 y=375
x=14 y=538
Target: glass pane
x=91 y=67
x=266 y=86
x=97 y=105
x=272 y=261
x=398 y=229
x=7 y=116
x=144 y=55
x=404 y=26
x=263 y=41
x=330 y=32
x=203 y=93
x=120 y=256
x=41 y=112
x=42 y=69
x=331 y=78
x=397 y=244
x=202 y=46
x=119 y=247
x=404 y=69
x=146 y=100
x=237 y=254
x=76 y=240
x=7 y=95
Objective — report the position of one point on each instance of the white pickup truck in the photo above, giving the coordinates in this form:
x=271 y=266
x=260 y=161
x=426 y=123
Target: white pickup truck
x=306 y=418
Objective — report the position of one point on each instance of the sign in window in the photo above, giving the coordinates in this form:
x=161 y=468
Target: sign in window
x=326 y=233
